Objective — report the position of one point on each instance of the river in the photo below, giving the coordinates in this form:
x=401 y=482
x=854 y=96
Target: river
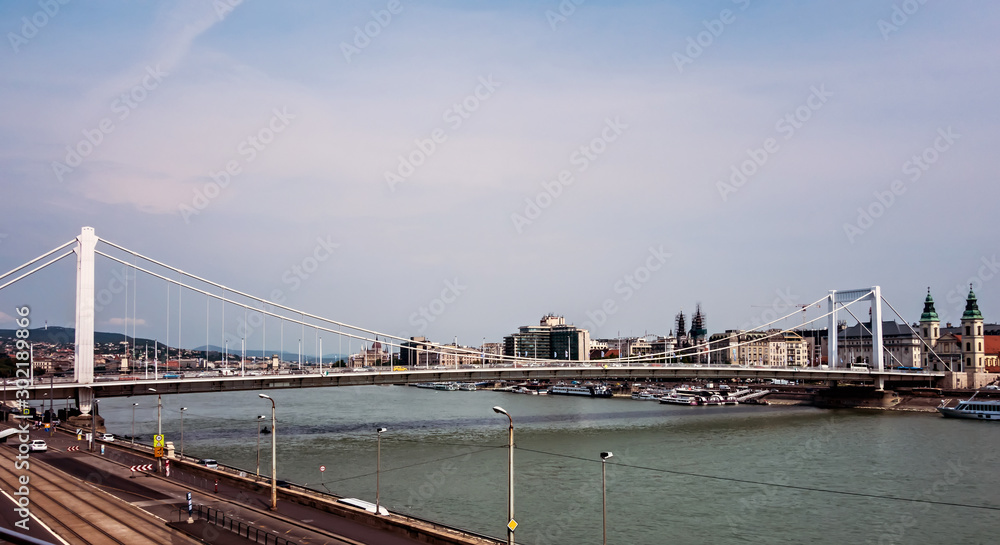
x=678 y=474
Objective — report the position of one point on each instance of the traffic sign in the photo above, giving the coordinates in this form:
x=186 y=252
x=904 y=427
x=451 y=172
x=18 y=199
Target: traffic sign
x=158 y=441
x=512 y=525
x=72 y=449
x=144 y=467
x=322 y=468
x=158 y=452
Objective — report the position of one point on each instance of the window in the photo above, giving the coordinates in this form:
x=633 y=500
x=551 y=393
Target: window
x=967 y=330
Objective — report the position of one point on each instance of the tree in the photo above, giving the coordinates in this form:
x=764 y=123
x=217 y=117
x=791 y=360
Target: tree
x=8 y=366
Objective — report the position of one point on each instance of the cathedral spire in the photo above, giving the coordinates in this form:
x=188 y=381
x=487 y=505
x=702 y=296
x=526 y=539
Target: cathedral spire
x=972 y=307
x=929 y=315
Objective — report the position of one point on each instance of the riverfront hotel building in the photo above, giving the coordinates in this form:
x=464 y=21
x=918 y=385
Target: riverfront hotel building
x=551 y=339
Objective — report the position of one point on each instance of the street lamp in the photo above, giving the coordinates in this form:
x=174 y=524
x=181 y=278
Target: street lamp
x=134 y=405
x=604 y=493
x=274 y=455
x=93 y=423
x=259 y=418
x=182 y=431
x=159 y=425
x=378 y=467
x=510 y=477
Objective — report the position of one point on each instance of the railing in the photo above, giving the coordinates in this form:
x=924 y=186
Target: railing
x=218 y=518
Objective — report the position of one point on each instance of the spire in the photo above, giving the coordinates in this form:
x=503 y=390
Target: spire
x=972 y=307
x=929 y=315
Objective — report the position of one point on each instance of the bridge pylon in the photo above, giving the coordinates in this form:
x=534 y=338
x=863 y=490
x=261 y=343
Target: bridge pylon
x=873 y=294
x=83 y=366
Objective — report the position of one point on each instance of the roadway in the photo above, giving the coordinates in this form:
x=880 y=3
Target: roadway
x=94 y=498
x=340 y=377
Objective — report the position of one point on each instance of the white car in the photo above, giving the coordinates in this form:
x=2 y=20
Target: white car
x=109 y=437
x=38 y=445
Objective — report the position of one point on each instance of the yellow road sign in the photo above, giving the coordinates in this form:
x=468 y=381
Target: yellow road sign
x=158 y=452
x=512 y=525
x=158 y=441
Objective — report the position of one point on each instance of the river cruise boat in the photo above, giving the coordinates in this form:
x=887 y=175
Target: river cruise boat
x=678 y=398
x=588 y=391
x=977 y=409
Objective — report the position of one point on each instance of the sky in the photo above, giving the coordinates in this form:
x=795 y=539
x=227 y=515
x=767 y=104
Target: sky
x=459 y=169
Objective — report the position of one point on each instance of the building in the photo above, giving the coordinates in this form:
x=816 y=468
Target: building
x=367 y=357
x=419 y=352
x=551 y=339
x=902 y=346
x=968 y=354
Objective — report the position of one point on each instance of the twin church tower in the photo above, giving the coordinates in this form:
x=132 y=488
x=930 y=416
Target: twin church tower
x=961 y=354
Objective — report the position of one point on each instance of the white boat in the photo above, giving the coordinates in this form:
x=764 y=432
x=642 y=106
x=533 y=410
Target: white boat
x=449 y=386
x=977 y=409
x=586 y=391
x=467 y=386
x=677 y=398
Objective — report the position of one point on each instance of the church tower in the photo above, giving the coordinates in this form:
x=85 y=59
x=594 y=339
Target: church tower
x=930 y=330
x=972 y=342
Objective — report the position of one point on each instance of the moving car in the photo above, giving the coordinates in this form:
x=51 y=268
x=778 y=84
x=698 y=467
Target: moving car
x=109 y=437
x=209 y=463
x=38 y=445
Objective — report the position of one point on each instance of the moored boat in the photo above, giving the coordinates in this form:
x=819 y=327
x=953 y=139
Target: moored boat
x=976 y=409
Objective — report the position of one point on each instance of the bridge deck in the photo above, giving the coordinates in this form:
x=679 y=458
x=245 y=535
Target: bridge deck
x=62 y=390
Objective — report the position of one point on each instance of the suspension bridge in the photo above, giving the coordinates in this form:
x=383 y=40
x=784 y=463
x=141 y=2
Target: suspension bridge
x=88 y=247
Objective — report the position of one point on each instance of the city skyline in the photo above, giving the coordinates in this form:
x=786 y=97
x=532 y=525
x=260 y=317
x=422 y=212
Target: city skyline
x=454 y=169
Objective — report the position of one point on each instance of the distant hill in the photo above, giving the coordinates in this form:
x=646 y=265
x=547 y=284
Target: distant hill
x=67 y=335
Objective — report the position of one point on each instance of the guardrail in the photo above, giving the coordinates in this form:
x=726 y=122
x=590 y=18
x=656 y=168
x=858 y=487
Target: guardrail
x=242 y=529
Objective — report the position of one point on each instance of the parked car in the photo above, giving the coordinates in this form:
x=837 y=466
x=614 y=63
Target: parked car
x=209 y=463
x=38 y=445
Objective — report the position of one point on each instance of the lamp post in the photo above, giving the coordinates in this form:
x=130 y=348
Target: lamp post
x=274 y=456
x=134 y=405
x=378 y=467
x=510 y=477
x=159 y=424
x=93 y=423
x=182 y=431
x=604 y=493
x=259 y=418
